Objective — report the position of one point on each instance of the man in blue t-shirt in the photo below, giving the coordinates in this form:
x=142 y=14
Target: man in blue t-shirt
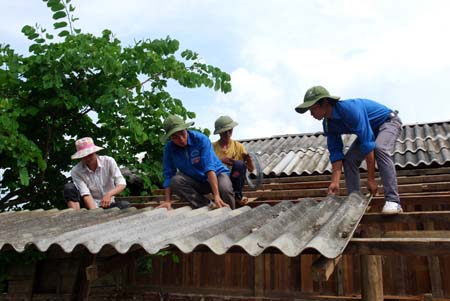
x=191 y=169
x=376 y=127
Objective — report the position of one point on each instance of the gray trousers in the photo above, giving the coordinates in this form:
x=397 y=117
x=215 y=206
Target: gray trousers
x=194 y=191
x=385 y=141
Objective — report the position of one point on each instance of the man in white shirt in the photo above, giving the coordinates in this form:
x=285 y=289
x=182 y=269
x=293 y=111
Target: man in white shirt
x=96 y=179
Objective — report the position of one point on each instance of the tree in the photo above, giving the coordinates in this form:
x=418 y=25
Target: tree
x=86 y=85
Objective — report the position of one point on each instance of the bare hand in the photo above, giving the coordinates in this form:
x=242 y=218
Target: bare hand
x=165 y=204
x=372 y=186
x=228 y=161
x=105 y=201
x=220 y=203
x=333 y=189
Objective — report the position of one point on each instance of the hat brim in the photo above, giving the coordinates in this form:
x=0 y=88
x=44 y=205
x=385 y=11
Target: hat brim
x=304 y=107
x=227 y=128
x=86 y=152
x=166 y=137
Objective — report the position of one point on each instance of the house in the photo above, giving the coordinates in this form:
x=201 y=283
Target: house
x=291 y=242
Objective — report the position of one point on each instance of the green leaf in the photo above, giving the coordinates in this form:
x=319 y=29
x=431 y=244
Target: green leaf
x=27 y=30
x=63 y=33
x=57 y=25
x=35 y=48
x=59 y=15
x=56 y=6
x=50 y=96
x=175 y=258
x=24 y=178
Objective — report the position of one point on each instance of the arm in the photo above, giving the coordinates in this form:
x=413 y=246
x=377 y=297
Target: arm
x=246 y=157
x=248 y=162
x=119 y=182
x=212 y=179
x=227 y=161
x=89 y=201
x=167 y=199
x=371 y=183
x=106 y=198
x=82 y=187
x=333 y=189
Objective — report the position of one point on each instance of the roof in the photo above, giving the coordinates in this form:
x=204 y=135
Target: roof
x=325 y=226
x=419 y=145
x=289 y=226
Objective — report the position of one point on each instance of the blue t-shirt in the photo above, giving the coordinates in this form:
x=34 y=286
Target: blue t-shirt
x=194 y=160
x=361 y=117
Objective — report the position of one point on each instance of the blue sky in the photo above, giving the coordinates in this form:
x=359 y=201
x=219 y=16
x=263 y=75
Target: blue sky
x=394 y=52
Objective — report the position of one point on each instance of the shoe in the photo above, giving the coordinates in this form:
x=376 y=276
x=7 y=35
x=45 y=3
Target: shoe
x=391 y=208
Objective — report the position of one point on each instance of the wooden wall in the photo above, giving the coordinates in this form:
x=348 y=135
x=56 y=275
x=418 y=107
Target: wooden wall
x=238 y=276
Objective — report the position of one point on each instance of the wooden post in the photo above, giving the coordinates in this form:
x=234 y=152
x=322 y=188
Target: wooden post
x=371 y=272
x=340 y=278
x=259 y=275
x=323 y=268
x=82 y=293
x=434 y=268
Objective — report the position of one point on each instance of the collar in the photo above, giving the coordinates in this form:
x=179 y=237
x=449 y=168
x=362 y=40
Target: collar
x=335 y=112
x=99 y=165
x=189 y=140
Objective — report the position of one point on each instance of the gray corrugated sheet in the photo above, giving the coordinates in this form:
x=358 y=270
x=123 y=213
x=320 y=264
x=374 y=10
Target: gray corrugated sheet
x=418 y=144
x=325 y=226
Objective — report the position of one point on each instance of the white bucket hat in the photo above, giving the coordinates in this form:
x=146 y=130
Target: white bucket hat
x=85 y=147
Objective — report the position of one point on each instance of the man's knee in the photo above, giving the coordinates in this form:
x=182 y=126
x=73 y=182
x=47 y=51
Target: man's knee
x=226 y=190
x=238 y=169
x=177 y=181
x=71 y=193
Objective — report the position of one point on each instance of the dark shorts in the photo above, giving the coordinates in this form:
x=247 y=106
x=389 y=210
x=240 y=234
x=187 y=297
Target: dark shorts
x=71 y=193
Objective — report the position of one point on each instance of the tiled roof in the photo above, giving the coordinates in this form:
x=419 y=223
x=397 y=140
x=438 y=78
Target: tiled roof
x=325 y=226
x=418 y=145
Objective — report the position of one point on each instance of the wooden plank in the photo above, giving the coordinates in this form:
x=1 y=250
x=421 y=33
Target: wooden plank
x=323 y=268
x=434 y=266
x=399 y=246
x=407 y=217
x=286 y=194
x=371 y=272
x=327 y=177
x=21 y=280
x=340 y=281
x=306 y=277
x=435 y=198
x=417 y=234
x=324 y=184
x=371 y=278
x=82 y=293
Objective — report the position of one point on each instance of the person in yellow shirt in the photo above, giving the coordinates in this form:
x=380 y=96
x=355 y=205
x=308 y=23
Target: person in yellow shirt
x=232 y=154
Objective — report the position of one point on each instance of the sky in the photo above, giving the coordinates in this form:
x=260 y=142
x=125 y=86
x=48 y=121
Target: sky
x=394 y=52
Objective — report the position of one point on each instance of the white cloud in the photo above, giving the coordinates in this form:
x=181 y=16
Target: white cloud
x=395 y=52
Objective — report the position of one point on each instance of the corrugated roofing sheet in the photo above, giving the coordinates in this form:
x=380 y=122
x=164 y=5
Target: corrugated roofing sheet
x=418 y=144
x=325 y=226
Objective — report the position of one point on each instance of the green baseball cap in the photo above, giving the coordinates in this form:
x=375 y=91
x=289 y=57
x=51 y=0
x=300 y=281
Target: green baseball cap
x=173 y=124
x=223 y=124
x=312 y=96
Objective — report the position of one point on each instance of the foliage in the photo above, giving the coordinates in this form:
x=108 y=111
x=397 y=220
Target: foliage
x=73 y=85
x=7 y=258
x=145 y=263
